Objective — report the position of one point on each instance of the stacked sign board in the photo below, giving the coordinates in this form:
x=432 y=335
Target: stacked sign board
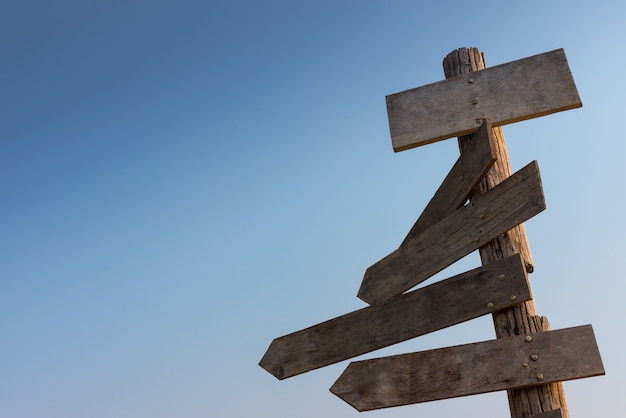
x=447 y=230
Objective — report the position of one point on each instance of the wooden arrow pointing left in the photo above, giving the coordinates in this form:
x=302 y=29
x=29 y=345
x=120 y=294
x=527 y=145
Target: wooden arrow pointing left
x=478 y=292
x=515 y=200
x=507 y=363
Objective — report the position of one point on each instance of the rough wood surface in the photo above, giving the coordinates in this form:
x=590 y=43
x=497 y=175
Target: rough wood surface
x=555 y=413
x=521 y=319
x=440 y=305
x=461 y=181
x=507 y=93
x=513 y=201
x=470 y=369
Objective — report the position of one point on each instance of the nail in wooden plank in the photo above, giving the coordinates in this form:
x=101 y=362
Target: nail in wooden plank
x=458 y=299
x=507 y=93
x=508 y=204
x=506 y=363
x=463 y=178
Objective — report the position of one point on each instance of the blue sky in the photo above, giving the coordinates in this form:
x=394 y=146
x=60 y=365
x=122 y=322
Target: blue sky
x=182 y=182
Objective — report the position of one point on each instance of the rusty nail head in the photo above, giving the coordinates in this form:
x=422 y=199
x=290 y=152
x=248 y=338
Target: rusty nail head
x=528 y=338
x=482 y=216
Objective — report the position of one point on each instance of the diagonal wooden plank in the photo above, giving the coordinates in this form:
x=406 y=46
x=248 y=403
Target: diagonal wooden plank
x=508 y=204
x=507 y=93
x=463 y=178
x=460 y=298
x=506 y=363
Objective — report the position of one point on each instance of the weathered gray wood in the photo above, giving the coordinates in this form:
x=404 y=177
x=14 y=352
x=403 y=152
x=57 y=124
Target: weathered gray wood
x=523 y=318
x=507 y=93
x=470 y=369
x=462 y=179
x=513 y=201
x=440 y=305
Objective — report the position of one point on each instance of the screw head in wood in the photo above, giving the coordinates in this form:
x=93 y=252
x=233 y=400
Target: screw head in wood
x=475 y=101
x=490 y=305
x=513 y=298
x=482 y=216
x=502 y=276
x=470 y=81
x=525 y=364
x=540 y=377
x=528 y=338
x=534 y=356
x=477 y=239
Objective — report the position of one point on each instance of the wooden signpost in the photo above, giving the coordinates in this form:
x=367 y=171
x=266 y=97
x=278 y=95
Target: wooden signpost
x=527 y=359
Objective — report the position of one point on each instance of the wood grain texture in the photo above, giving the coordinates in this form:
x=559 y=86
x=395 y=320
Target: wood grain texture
x=470 y=369
x=507 y=93
x=513 y=201
x=523 y=318
x=440 y=305
x=461 y=181
x=555 y=413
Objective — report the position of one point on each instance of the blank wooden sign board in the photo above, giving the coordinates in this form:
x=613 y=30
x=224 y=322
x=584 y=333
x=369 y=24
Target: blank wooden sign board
x=448 y=229
x=507 y=93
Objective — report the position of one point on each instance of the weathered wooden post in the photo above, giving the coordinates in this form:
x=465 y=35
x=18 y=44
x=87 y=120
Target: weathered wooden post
x=520 y=319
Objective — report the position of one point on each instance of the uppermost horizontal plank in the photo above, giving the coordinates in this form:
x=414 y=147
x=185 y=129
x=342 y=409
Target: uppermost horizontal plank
x=507 y=93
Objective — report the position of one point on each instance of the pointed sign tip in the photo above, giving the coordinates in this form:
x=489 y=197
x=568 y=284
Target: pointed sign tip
x=362 y=296
x=363 y=293
x=270 y=364
x=343 y=392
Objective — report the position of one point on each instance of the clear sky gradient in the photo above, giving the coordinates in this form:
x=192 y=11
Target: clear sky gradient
x=183 y=181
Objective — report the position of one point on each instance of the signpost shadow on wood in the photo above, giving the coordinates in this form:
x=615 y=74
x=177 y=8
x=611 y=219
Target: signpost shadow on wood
x=527 y=359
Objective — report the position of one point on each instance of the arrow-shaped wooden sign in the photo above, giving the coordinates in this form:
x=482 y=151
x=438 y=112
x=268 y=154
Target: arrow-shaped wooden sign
x=507 y=93
x=507 y=363
x=515 y=200
x=466 y=296
x=462 y=179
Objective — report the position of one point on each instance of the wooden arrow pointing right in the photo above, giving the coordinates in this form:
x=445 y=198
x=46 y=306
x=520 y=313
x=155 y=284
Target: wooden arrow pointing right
x=506 y=363
x=515 y=200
